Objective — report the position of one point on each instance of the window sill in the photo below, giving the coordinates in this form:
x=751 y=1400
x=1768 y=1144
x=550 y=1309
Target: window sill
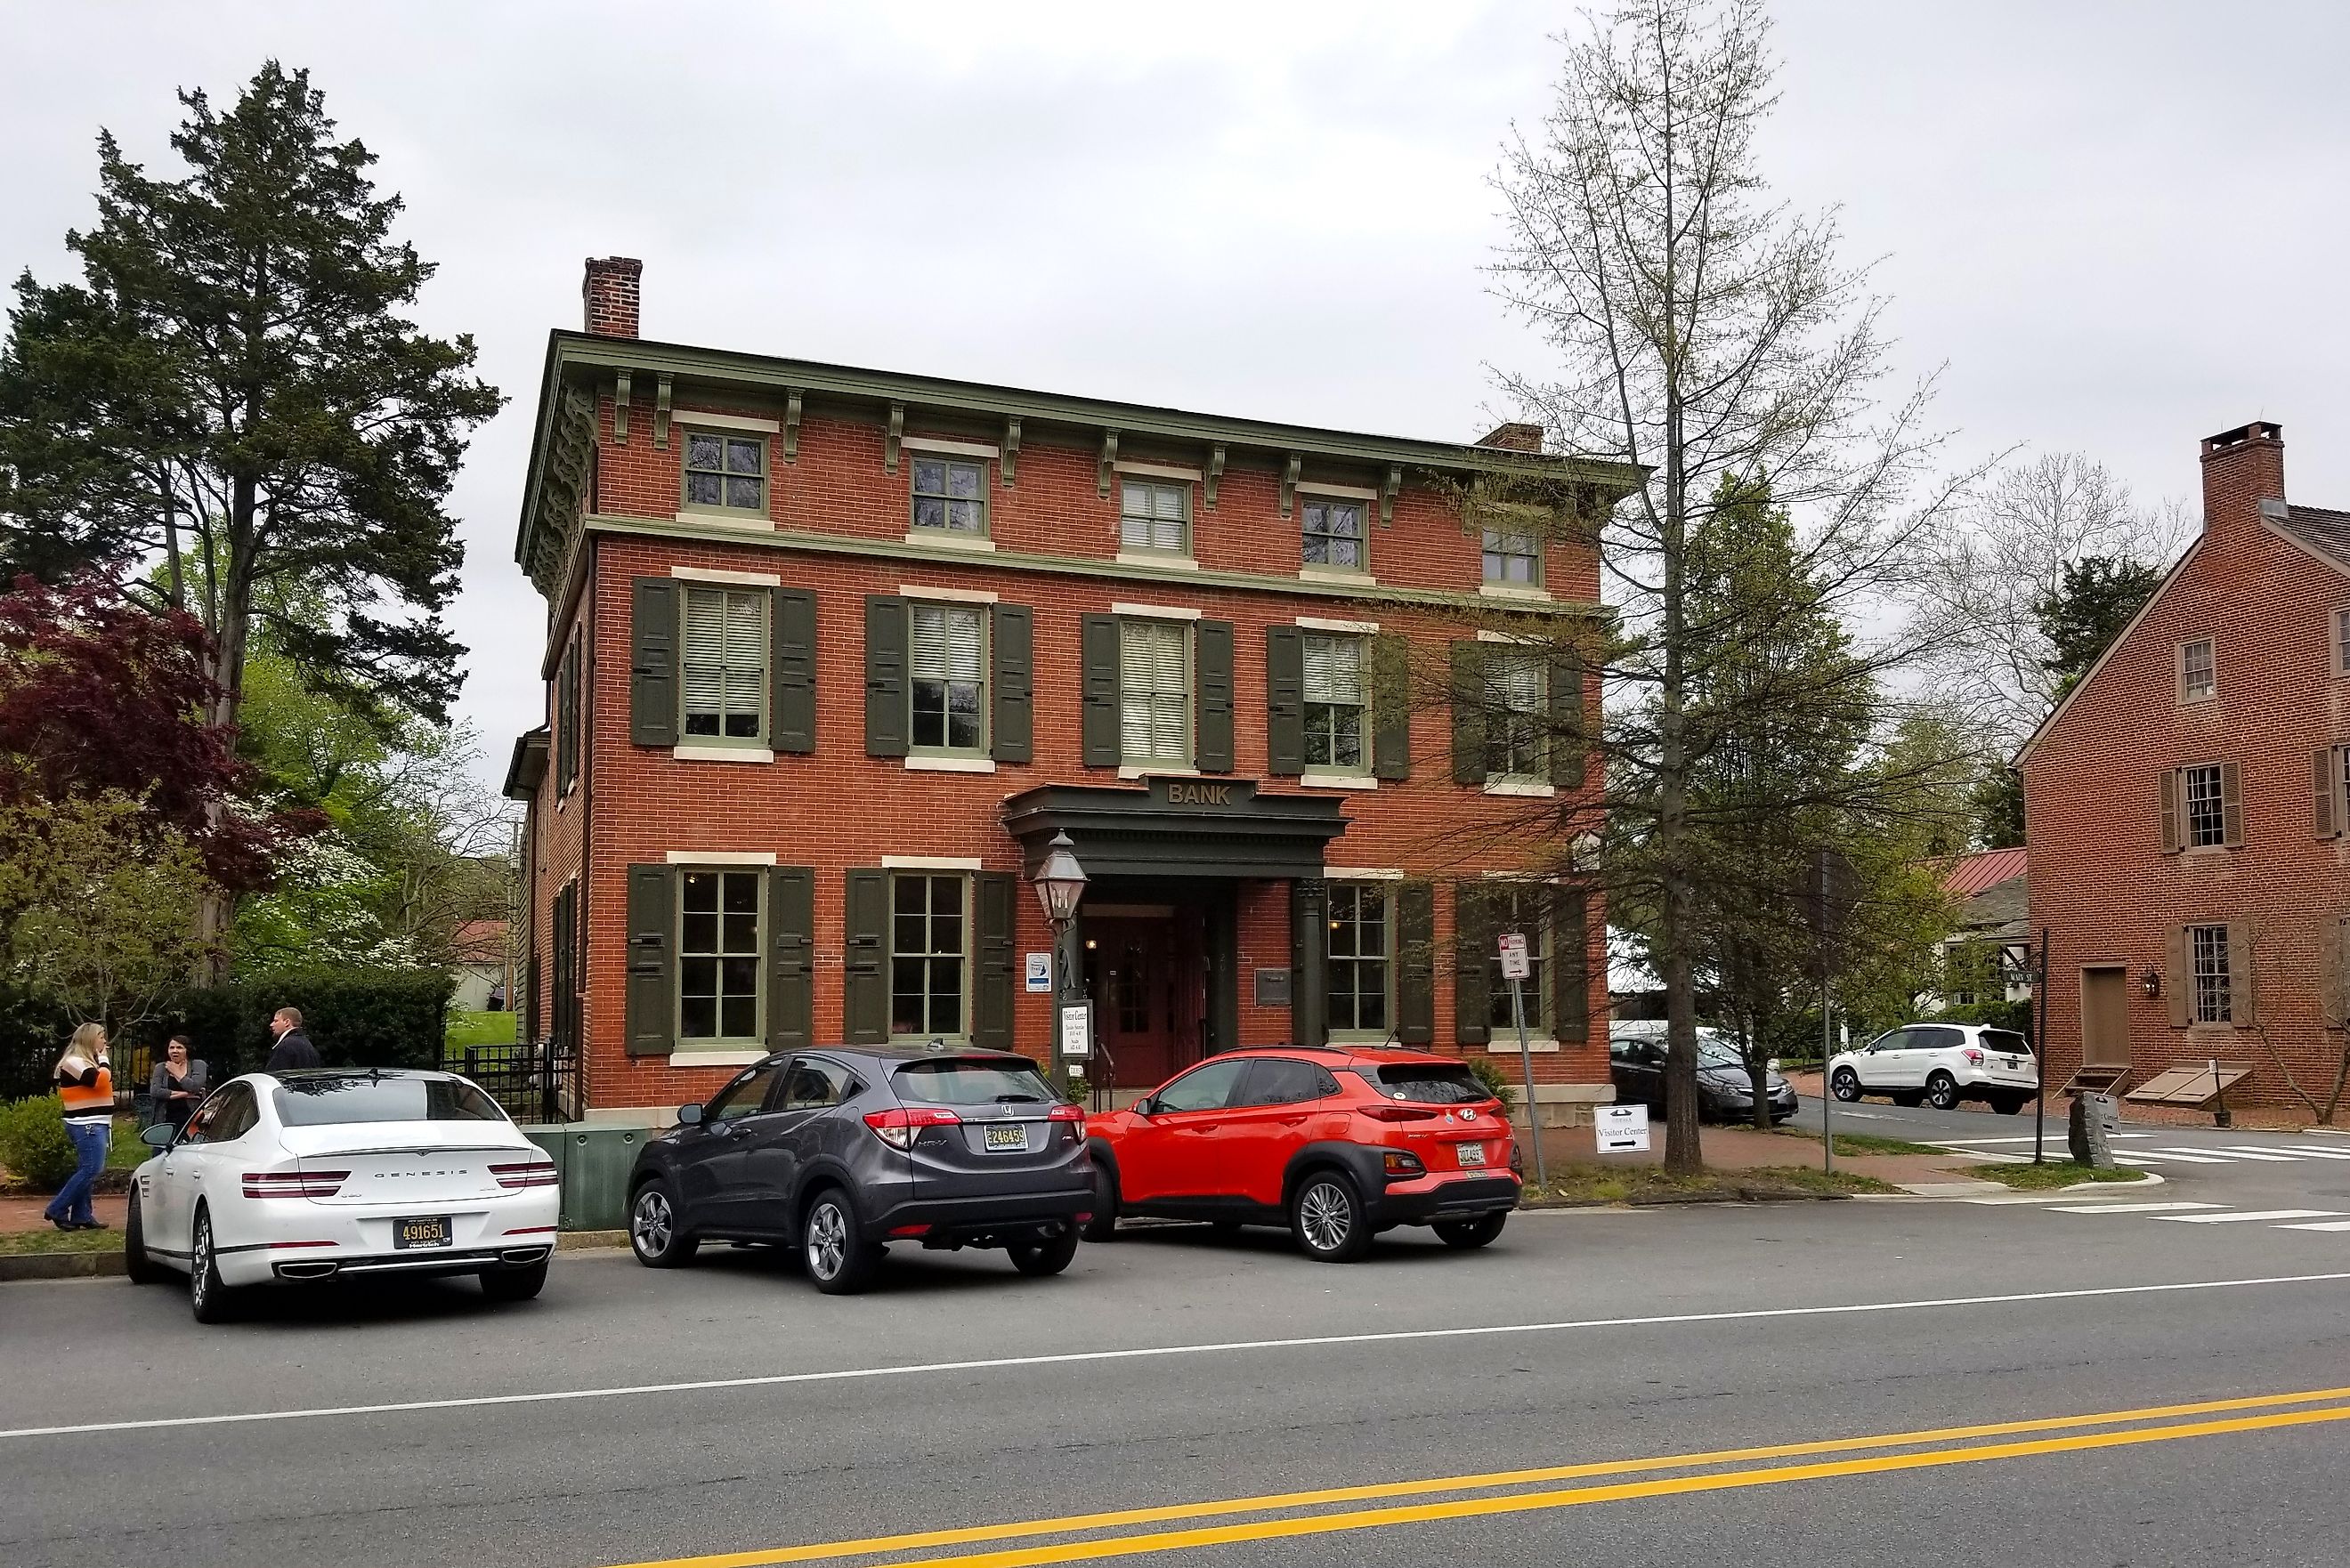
x=1167 y=558
x=1513 y=591
x=758 y=522
x=723 y=753
x=1334 y=574
x=950 y=764
x=717 y=1058
x=1496 y=1047
x=1158 y=770
x=942 y=539
x=1338 y=781
x=1521 y=789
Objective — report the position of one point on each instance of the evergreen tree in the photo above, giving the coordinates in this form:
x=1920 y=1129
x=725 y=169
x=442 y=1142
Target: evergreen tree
x=2093 y=602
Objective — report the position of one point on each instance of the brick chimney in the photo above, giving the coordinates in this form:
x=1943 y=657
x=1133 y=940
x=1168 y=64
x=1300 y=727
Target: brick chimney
x=609 y=291
x=2241 y=468
x=1513 y=438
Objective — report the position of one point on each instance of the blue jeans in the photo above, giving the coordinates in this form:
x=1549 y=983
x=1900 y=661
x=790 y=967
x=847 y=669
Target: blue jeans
x=72 y=1202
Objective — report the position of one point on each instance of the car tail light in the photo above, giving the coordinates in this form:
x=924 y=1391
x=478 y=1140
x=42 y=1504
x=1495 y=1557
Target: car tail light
x=1401 y=1162
x=1975 y=1056
x=1066 y=1114
x=294 y=1183
x=899 y=1126
x=1396 y=1113
x=527 y=1173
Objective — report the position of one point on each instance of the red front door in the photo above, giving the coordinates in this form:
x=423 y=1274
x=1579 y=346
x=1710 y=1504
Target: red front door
x=1143 y=972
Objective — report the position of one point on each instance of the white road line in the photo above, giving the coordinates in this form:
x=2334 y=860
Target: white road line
x=2320 y=1225
x=2210 y=1153
x=2126 y=1208
x=1147 y=1353
x=2147 y=1157
x=2287 y=1153
x=2055 y=1138
x=2245 y=1216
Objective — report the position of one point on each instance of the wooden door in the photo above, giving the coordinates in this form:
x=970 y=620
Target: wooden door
x=1137 y=976
x=2105 y=1016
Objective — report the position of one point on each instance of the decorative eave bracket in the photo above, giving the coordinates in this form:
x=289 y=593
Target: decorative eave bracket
x=1388 y=493
x=620 y=396
x=793 y=398
x=1108 y=460
x=897 y=435
x=1010 y=465
x=1289 y=482
x=661 y=389
x=1215 y=472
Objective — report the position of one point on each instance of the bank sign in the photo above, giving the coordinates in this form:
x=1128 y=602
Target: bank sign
x=1198 y=794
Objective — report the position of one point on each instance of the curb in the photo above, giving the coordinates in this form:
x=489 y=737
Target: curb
x=589 y=1240
x=2144 y=1178
x=60 y=1266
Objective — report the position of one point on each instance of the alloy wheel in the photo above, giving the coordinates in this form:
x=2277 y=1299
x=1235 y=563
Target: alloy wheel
x=653 y=1224
x=827 y=1241
x=1847 y=1085
x=1326 y=1216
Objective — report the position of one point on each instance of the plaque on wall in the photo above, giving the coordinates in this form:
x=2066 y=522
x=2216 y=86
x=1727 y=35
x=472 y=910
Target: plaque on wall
x=1272 y=988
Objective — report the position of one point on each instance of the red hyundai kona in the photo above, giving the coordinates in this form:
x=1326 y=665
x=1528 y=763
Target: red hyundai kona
x=1336 y=1143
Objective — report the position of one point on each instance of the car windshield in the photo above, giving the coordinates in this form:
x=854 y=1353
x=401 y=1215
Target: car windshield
x=1429 y=1083
x=324 y=1099
x=1719 y=1053
x=2006 y=1042
x=959 y=1082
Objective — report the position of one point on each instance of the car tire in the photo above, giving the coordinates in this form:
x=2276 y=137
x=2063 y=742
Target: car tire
x=1326 y=1216
x=1466 y=1234
x=840 y=1261
x=1038 y=1258
x=208 y=1298
x=1103 y=1226
x=1845 y=1084
x=656 y=1232
x=138 y=1267
x=516 y=1284
x=1943 y=1092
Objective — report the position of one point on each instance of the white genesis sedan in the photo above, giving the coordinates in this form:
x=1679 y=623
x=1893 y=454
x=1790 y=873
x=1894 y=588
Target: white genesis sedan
x=316 y=1175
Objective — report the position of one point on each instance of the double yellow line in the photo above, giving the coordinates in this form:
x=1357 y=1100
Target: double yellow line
x=1935 y=1446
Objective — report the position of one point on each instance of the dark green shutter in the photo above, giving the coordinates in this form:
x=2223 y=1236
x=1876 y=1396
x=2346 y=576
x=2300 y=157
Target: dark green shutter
x=888 y=716
x=1013 y=725
x=1285 y=700
x=1468 y=714
x=1309 y=962
x=1211 y=695
x=651 y=1003
x=1570 y=965
x=791 y=683
x=1415 y=963
x=864 y=960
x=1567 y=745
x=996 y=897
x=1473 y=941
x=566 y=719
x=653 y=662
x=791 y=948
x=1391 y=707
x=1100 y=689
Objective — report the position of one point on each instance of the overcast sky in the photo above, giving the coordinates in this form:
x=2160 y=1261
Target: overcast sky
x=2121 y=226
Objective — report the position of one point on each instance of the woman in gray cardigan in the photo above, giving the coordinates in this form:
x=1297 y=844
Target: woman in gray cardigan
x=178 y=1086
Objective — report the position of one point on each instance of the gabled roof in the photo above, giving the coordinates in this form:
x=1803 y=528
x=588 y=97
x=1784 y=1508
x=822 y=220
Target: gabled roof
x=1972 y=874
x=2322 y=533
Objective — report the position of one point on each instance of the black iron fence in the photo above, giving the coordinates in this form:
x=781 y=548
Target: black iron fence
x=534 y=1081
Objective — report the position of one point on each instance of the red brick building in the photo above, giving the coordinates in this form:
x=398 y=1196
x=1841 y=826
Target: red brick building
x=832 y=654
x=2187 y=806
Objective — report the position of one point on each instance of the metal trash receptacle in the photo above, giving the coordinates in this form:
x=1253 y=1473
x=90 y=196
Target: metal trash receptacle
x=594 y=1160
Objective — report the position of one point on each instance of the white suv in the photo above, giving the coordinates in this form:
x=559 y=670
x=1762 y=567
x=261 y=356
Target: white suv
x=1939 y=1064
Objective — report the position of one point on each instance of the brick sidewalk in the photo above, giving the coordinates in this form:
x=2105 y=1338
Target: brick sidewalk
x=25 y=1213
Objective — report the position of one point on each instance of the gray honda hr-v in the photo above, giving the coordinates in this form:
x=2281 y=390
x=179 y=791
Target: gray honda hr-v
x=841 y=1151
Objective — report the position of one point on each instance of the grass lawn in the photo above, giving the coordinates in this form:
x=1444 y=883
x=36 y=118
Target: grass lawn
x=48 y=1239
x=480 y=1029
x=1861 y=1143
x=1648 y=1184
x=2055 y=1173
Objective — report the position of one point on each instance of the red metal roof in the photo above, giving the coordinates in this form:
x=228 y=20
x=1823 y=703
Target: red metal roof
x=1974 y=873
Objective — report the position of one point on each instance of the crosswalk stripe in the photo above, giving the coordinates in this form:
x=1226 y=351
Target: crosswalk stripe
x=2057 y=1138
x=2320 y=1225
x=2125 y=1208
x=2145 y=1156
x=2239 y=1219
x=2287 y=1153
x=2226 y=1154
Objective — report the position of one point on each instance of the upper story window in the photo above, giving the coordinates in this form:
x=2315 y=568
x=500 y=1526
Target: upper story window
x=719 y=959
x=1334 y=532
x=1515 y=718
x=2213 y=1000
x=2207 y=817
x=950 y=496
x=929 y=955
x=949 y=677
x=1512 y=559
x=724 y=689
x=725 y=473
x=1335 y=699
x=2342 y=640
x=1361 y=959
x=2197 y=679
x=1155 y=516
x=1155 y=692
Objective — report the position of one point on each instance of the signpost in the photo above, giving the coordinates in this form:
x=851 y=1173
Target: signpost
x=1516 y=965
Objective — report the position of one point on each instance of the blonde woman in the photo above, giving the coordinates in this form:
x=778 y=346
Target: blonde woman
x=85 y=1080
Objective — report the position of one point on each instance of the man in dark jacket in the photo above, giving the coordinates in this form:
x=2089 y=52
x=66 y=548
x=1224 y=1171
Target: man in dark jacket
x=293 y=1049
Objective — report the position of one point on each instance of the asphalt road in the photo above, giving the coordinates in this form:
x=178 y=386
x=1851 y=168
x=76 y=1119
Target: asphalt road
x=727 y=1409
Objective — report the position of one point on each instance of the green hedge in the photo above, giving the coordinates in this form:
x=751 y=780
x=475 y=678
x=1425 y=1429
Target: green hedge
x=357 y=1018
x=33 y=1141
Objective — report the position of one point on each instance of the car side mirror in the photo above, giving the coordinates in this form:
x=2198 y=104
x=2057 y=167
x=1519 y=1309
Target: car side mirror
x=689 y=1116
x=1143 y=1107
x=158 y=1135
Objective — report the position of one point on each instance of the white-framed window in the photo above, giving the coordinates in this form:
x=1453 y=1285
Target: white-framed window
x=2204 y=805
x=1334 y=534
x=950 y=496
x=1524 y=908
x=2199 y=680
x=1337 y=687
x=948 y=684
x=2342 y=640
x=1516 y=716
x=725 y=471
x=1361 y=959
x=719 y=955
x=1155 y=692
x=2214 y=998
x=929 y=954
x=1155 y=514
x=1513 y=558
x=724 y=665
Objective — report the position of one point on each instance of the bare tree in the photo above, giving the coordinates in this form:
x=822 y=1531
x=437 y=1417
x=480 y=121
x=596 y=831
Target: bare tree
x=1705 y=332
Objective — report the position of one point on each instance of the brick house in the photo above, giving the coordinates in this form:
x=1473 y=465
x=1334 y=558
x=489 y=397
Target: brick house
x=2186 y=804
x=833 y=654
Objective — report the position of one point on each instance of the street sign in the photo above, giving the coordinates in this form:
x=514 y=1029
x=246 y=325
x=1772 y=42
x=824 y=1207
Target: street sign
x=1077 y=1029
x=1623 y=1130
x=1515 y=965
x=1040 y=972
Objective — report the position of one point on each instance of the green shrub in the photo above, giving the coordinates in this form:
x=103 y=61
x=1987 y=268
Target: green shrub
x=33 y=1141
x=1496 y=1079
x=356 y=1017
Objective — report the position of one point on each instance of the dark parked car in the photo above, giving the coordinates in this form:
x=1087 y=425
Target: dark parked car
x=1636 y=1061
x=841 y=1151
